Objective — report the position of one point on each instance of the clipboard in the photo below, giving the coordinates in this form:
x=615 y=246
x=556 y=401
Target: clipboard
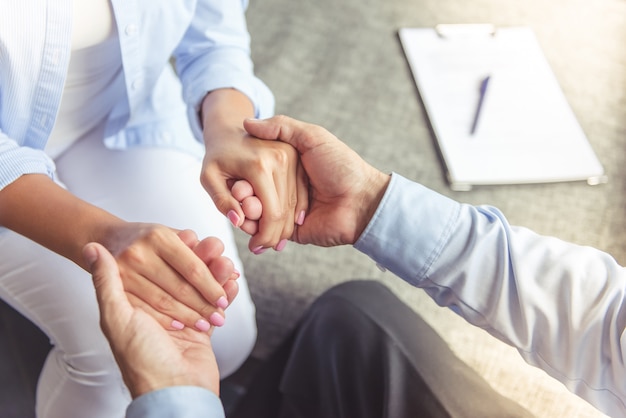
x=518 y=130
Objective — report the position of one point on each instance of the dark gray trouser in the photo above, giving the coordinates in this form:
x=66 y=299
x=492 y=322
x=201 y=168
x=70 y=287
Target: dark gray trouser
x=360 y=352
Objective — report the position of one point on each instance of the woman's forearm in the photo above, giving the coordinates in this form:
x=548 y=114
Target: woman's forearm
x=39 y=209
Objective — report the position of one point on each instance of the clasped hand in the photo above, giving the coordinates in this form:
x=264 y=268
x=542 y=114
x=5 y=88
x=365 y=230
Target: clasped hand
x=181 y=281
x=273 y=171
x=342 y=190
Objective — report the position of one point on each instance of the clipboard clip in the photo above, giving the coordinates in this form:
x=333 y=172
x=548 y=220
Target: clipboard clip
x=453 y=30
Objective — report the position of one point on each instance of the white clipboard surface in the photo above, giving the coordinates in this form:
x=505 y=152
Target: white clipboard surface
x=526 y=131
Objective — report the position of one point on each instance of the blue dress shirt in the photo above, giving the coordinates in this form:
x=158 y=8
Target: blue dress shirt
x=561 y=305
x=208 y=41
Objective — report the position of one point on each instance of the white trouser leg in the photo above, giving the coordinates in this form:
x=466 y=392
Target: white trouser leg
x=80 y=377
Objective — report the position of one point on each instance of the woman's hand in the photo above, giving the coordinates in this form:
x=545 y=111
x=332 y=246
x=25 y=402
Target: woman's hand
x=250 y=205
x=210 y=251
x=170 y=274
x=271 y=167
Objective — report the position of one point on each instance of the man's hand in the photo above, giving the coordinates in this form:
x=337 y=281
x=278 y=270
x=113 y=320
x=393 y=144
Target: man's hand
x=344 y=191
x=149 y=357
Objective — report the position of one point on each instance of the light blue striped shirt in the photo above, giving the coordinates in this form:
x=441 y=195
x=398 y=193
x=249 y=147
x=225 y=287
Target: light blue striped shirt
x=563 y=306
x=208 y=40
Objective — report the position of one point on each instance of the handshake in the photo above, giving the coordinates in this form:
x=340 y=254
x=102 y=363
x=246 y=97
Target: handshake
x=336 y=191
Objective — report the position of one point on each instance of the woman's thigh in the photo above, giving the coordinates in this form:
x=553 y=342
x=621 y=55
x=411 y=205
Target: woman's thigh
x=53 y=293
x=143 y=185
x=58 y=296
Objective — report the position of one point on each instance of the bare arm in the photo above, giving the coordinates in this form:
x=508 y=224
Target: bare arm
x=154 y=261
x=36 y=207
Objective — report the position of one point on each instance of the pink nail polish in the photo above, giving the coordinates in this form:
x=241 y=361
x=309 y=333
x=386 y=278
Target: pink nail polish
x=281 y=245
x=233 y=218
x=259 y=250
x=177 y=325
x=222 y=302
x=216 y=319
x=300 y=219
x=203 y=325
x=236 y=273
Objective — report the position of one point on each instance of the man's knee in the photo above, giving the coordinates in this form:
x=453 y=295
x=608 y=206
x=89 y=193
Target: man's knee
x=357 y=291
x=348 y=310
x=355 y=297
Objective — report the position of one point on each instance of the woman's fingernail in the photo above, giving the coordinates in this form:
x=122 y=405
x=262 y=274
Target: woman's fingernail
x=281 y=245
x=233 y=218
x=259 y=250
x=236 y=273
x=300 y=219
x=177 y=324
x=222 y=302
x=203 y=325
x=216 y=319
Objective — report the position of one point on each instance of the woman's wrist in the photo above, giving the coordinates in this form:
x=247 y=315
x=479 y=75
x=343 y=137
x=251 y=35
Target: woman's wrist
x=223 y=112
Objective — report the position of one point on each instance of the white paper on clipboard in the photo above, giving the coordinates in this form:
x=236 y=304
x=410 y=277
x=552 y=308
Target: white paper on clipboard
x=527 y=132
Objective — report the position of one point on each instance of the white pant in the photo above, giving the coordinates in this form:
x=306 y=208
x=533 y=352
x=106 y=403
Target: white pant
x=80 y=378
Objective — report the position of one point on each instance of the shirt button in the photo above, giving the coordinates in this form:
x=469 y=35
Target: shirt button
x=131 y=29
x=136 y=84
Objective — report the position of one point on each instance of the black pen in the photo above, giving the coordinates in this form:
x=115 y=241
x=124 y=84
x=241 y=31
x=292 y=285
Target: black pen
x=481 y=99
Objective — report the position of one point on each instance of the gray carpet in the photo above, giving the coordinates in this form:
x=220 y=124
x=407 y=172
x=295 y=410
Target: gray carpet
x=340 y=64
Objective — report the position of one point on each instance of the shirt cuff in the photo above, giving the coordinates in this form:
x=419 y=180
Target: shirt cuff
x=409 y=229
x=254 y=88
x=177 y=401
x=16 y=161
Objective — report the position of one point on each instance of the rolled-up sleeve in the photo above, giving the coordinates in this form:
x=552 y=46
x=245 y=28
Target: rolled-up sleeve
x=16 y=160
x=215 y=53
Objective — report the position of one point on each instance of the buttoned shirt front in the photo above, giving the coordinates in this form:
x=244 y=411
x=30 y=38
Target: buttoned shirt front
x=208 y=40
